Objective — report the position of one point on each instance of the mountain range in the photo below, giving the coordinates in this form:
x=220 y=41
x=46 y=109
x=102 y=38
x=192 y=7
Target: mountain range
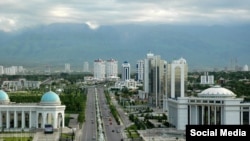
x=56 y=44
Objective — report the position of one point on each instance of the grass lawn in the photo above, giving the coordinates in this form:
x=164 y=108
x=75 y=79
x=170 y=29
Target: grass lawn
x=16 y=138
x=133 y=134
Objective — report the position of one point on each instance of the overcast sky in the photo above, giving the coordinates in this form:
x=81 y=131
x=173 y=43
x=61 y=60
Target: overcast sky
x=17 y=14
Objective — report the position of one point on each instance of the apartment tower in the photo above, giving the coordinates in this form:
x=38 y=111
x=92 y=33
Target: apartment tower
x=111 y=68
x=125 y=71
x=140 y=71
x=99 y=69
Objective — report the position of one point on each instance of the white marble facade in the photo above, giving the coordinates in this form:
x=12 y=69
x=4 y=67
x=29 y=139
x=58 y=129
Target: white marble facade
x=31 y=115
x=213 y=106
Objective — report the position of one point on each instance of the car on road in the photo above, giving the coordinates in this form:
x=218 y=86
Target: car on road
x=48 y=129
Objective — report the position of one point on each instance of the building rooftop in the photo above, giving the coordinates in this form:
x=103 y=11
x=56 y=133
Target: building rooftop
x=50 y=98
x=4 y=97
x=216 y=91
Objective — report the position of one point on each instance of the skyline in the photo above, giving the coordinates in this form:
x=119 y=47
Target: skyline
x=90 y=65
x=16 y=14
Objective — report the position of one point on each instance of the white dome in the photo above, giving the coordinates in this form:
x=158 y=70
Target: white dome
x=216 y=91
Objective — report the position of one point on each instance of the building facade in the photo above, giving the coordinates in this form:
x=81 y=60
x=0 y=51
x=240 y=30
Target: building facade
x=213 y=106
x=125 y=71
x=67 y=68
x=245 y=68
x=140 y=71
x=13 y=70
x=155 y=79
x=20 y=84
x=31 y=115
x=99 y=70
x=207 y=79
x=1 y=70
x=147 y=60
x=111 y=69
x=86 y=67
x=177 y=78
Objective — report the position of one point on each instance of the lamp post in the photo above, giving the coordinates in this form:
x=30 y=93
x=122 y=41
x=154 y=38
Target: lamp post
x=61 y=131
x=72 y=134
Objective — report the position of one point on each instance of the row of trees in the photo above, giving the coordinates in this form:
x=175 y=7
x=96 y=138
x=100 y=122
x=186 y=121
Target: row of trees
x=74 y=100
x=112 y=108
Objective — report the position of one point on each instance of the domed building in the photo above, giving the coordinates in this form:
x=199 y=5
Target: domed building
x=31 y=115
x=50 y=98
x=217 y=92
x=4 y=98
x=213 y=106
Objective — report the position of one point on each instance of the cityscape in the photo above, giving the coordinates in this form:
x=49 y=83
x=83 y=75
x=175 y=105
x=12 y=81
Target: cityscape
x=121 y=106
x=115 y=70
x=89 y=67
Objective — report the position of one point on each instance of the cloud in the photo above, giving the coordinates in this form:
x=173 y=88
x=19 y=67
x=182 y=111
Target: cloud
x=92 y=25
x=7 y=24
x=16 y=14
x=60 y=12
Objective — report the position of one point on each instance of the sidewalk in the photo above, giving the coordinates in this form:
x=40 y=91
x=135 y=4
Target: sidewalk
x=72 y=128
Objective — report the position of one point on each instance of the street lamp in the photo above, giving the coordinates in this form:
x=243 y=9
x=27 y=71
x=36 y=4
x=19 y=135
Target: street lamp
x=72 y=134
x=61 y=131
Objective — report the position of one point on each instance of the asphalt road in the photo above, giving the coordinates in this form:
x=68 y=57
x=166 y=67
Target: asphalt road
x=90 y=126
x=111 y=128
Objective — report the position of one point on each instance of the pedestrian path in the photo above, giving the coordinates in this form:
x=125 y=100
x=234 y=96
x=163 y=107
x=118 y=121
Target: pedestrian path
x=40 y=136
x=73 y=127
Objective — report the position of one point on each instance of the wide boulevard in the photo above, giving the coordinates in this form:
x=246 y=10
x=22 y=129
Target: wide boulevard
x=90 y=125
x=100 y=124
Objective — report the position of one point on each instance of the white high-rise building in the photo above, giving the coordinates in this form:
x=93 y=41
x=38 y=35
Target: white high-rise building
x=10 y=70
x=140 y=70
x=149 y=57
x=177 y=78
x=13 y=70
x=111 y=69
x=67 y=68
x=20 y=69
x=207 y=79
x=86 y=67
x=213 y=106
x=1 y=70
x=99 y=69
x=245 y=68
x=125 y=71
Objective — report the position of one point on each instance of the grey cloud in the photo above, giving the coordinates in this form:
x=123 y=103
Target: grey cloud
x=101 y=12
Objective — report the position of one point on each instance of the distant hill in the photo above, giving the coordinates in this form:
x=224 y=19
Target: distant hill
x=56 y=44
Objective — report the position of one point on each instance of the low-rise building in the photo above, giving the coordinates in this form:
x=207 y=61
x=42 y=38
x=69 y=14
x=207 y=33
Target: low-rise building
x=20 y=84
x=213 y=106
x=31 y=115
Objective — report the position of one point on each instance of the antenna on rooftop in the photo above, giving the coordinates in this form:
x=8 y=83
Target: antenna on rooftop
x=50 y=85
